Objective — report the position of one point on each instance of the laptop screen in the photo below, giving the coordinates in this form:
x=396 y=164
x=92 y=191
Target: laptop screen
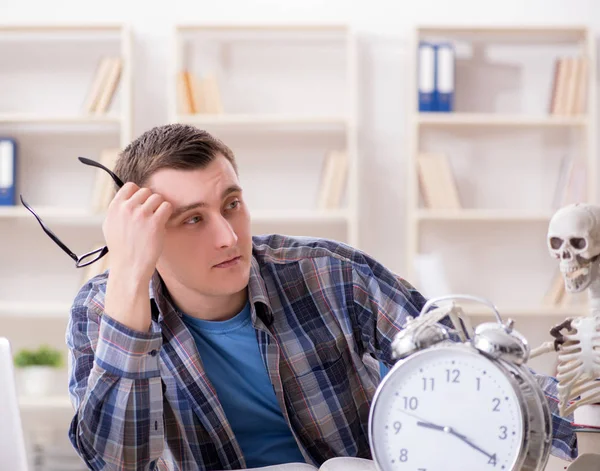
x=12 y=443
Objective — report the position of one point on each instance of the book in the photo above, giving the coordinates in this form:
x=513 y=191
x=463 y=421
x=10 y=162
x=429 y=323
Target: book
x=426 y=77
x=333 y=180
x=112 y=78
x=444 y=77
x=8 y=171
x=104 y=85
x=436 y=181
x=569 y=89
x=198 y=96
x=332 y=464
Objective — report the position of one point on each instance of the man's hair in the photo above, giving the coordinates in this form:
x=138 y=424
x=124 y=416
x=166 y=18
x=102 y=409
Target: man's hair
x=174 y=146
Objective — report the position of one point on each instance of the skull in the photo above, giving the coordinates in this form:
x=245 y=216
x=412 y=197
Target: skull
x=574 y=239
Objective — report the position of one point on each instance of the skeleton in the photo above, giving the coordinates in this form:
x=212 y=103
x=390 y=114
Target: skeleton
x=574 y=239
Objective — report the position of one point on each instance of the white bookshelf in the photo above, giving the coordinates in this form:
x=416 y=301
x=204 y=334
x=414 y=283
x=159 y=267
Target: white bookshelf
x=497 y=120
x=504 y=148
x=46 y=76
x=279 y=137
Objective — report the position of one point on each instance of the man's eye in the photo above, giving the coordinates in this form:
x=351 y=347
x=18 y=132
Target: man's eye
x=234 y=204
x=193 y=220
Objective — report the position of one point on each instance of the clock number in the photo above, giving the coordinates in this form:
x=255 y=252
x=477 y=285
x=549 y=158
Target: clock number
x=492 y=459
x=404 y=455
x=496 y=402
x=503 y=433
x=452 y=376
x=397 y=426
x=478 y=383
x=411 y=402
x=431 y=383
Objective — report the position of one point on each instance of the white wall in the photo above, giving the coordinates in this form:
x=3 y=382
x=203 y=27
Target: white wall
x=383 y=27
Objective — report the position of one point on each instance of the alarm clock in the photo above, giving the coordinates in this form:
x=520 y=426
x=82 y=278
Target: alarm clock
x=458 y=399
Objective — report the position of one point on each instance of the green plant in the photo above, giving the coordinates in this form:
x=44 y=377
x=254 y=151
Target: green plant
x=43 y=356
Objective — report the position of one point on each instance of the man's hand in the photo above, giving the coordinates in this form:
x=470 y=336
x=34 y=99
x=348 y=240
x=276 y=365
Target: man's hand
x=134 y=230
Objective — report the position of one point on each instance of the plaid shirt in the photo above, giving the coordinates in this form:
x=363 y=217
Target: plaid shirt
x=324 y=315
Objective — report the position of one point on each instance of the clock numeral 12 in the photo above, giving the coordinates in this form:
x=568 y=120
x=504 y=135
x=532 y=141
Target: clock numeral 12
x=452 y=376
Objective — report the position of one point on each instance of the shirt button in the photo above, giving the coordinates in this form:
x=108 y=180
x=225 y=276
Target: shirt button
x=153 y=353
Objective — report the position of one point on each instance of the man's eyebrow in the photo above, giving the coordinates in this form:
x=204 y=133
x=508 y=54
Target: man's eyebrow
x=200 y=204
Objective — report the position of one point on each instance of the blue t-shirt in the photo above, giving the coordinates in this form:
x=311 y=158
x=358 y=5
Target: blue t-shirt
x=232 y=361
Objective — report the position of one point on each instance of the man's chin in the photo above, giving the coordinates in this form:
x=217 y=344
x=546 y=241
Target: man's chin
x=230 y=281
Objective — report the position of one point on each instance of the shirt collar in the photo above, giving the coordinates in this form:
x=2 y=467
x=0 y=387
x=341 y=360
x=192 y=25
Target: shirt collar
x=260 y=307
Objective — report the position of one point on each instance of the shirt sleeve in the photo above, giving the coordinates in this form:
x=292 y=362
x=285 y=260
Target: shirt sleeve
x=115 y=388
x=382 y=301
x=564 y=438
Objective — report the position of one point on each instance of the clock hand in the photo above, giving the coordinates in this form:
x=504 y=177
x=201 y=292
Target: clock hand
x=469 y=442
x=451 y=431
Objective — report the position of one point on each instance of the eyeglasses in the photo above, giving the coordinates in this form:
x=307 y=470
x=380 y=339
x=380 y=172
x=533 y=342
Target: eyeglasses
x=90 y=257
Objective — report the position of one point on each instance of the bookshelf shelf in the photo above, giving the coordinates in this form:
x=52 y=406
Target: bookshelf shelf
x=237 y=81
x=483 y=215
x=528 y=34
x=28 y=309
x=309 y=216
x=262 y=120
x=55 y=214
x=24 y=118
x=493 y=119
x=55 y=403
x=515 y=311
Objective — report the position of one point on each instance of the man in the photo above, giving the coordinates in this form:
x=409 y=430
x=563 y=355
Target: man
x=207 y=348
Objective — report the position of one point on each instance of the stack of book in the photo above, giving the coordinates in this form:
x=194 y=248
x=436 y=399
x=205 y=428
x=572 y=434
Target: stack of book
x=569 y=86
x=104 y=85
x=198 y=96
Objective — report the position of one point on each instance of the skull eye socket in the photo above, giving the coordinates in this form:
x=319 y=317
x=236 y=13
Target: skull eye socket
x=556 y=242
x=578 y=243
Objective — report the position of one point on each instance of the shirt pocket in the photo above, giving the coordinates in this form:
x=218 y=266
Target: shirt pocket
x=320 y=403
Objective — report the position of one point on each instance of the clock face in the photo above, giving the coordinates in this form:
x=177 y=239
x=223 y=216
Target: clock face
x=446 y=409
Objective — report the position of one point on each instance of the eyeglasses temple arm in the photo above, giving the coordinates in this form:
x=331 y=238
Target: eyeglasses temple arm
x=93 y=163
x=49 y=232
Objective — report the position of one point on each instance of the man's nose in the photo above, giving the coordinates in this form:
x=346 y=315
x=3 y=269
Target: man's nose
x=225 y=236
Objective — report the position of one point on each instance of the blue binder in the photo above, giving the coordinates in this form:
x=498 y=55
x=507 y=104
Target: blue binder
x=8 y=171
x=426 y=76
x=445 y=75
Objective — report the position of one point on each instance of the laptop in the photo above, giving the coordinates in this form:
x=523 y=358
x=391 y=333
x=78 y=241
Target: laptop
x=12 y=442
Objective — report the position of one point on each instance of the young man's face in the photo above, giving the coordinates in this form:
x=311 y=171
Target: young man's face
x=208 y=243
